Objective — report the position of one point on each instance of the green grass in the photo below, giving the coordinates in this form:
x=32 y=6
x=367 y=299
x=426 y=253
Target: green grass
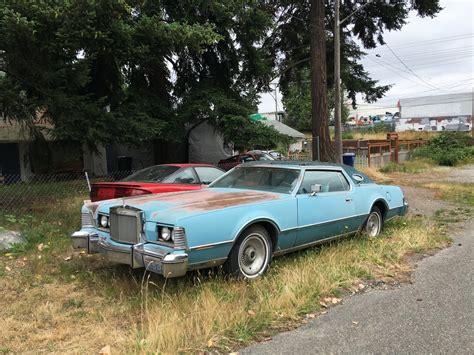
x=462 y=194
x=413 y=166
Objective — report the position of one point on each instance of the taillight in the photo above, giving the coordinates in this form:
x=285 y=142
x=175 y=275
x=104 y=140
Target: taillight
x=102 y=193
x=134 y=192
x=108 y=193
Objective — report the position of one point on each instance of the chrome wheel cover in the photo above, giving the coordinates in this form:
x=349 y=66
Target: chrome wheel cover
x=373 y=224
x=254 y=253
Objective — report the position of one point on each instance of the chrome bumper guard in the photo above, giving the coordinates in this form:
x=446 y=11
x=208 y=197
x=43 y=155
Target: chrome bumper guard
x=158 y=261
x=85 y=240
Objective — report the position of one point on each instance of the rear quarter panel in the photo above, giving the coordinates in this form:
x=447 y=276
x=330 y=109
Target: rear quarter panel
x=367 y=194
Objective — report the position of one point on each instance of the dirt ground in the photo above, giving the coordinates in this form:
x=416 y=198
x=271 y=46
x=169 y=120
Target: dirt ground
x=423 y=201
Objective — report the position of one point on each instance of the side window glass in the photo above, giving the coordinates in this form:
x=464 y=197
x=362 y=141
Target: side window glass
x=184 y=176
x=207 y=175
x=246 y=158
x=330 y=181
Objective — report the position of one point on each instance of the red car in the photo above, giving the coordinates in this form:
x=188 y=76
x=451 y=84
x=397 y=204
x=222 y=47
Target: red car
x=254 y=155
x=157 y=179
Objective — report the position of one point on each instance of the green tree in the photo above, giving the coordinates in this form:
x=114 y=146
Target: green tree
x=293 y=35
x=127 y=71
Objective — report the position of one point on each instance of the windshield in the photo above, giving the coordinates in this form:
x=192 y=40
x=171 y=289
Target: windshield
x=278 y=180
x=264 y=157
x=152 y=174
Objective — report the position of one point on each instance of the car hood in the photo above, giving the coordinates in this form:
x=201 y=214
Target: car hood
x=170 y=207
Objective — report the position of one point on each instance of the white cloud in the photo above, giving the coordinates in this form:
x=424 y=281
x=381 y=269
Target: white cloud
x=438 y=52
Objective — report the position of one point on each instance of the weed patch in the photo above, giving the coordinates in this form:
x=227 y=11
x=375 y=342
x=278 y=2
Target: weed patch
x=449 y=149
x=413 y=166
x=462 y=194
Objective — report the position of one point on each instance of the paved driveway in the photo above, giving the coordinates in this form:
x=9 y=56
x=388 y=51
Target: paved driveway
x=435 y=314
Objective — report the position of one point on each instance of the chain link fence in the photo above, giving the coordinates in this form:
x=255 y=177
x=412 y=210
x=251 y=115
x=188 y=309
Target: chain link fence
x=39 y=192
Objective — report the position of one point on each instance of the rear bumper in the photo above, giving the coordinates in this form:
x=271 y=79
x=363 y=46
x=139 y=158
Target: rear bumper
x=85 y=240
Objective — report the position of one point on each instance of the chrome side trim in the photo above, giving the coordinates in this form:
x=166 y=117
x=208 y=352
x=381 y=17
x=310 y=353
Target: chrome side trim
x=310 y=244
x=210 y=245
x=325 y=222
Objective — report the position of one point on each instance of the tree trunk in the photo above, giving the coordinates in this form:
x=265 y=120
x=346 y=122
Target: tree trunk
x=319 y=104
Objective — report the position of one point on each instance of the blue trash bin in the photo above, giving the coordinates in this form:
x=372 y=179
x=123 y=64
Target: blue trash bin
x=349 y=159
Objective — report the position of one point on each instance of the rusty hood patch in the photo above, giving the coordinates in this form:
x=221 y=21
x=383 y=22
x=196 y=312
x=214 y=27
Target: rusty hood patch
x=182 y=204
x=211 y=200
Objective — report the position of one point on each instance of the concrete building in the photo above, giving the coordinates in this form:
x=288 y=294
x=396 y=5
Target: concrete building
x=450 y=112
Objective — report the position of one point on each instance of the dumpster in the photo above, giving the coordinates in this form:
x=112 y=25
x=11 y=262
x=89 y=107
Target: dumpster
x=348 y=159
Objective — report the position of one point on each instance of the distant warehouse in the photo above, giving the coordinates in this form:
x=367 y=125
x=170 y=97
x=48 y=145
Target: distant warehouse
x=451 y=112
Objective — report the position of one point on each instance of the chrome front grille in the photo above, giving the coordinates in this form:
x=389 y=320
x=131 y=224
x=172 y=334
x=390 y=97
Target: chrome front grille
x=87 y=220
x=125 y=224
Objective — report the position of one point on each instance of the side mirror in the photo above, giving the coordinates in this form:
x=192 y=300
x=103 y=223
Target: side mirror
x=315 y=188
x=357 y=177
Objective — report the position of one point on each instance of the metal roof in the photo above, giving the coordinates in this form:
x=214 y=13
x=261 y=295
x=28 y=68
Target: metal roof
x=283 y=128
x=299 y=164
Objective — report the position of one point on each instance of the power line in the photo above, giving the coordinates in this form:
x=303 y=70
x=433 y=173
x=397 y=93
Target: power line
x=397 y=71
x=409 y=69
x=417 y=105
x=437 y=40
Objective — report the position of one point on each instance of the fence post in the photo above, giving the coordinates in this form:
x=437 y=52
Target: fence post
x=368 y=154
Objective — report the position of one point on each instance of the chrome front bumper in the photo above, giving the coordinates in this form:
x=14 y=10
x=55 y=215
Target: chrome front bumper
x=151 y=256
x=85 y=240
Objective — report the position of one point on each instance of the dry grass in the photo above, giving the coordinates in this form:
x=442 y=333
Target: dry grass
x=375 y=175
x=59 y=300
x=408 y=135
x=57 y=304
x=219 y=312
x=455 y=192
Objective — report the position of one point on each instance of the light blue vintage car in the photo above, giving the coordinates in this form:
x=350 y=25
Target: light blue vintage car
x=252 y=213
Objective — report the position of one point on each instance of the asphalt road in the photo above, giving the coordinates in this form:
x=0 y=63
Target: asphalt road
x=434 y=314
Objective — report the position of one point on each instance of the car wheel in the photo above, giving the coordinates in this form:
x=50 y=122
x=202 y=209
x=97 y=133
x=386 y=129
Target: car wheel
x=373 y=226
x=251 y=254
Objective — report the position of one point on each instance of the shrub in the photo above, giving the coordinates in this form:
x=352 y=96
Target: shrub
x=347 y=135
x=448 y=149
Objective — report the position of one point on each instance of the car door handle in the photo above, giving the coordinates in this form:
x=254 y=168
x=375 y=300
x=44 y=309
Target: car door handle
x=348 y=200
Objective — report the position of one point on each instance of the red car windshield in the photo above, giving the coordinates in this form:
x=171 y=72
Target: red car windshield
x=155 y=173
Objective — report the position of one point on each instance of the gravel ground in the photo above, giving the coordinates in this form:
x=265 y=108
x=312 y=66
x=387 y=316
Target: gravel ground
x=434 y=314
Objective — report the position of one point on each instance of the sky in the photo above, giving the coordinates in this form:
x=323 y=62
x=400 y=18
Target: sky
x=428 y=56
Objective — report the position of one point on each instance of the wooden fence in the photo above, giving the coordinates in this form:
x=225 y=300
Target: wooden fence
x=379 y=152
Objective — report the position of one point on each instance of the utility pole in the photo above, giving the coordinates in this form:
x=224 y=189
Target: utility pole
x=337 y=85
x=276 y=102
